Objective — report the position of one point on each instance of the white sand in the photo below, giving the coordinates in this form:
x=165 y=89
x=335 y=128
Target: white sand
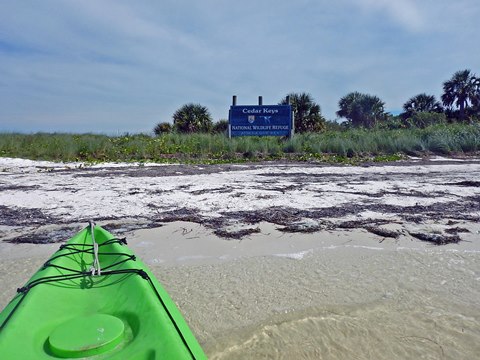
x=71 y=195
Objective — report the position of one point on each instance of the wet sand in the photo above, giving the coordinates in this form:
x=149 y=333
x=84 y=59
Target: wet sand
x=307 y=278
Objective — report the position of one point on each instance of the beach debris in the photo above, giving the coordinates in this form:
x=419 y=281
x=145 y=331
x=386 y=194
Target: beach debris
x=46 y=236
x=14 y=216
x=284 y=189
x=416 y=219
x=18 y=187
x=181 y=214
x=456 y=230
x=466 y=183
x=236 y=234
x=452 y=222
x=305 y=226
x=226 y=189
x=437 y=239
x=358 y=224
x=383 y=232
x=191 y=215
x=275 y=215
x=352 y=224
x=263 y=197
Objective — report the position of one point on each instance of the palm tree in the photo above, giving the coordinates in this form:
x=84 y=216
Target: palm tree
x=421 y=103
x=362 y=109
x=307 y=113
x=192 y=118
x=463 y=91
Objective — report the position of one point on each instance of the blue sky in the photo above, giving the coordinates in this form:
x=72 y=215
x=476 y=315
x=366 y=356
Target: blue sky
x=116 y=66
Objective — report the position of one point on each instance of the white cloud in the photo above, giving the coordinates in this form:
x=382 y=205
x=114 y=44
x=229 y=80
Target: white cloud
x=405 y=12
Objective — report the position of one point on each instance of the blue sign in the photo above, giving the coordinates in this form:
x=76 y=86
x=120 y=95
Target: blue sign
x=261 y=120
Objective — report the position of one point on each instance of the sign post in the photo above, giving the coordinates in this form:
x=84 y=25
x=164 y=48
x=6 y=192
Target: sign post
x=260 y=120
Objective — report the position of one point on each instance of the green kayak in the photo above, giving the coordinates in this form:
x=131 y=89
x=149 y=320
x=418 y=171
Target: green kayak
x=94 y=299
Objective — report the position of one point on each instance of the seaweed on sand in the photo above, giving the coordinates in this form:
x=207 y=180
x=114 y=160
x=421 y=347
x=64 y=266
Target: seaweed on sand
x=237 y=235
x=51 y=236
x=300 y=228
x=181 y=214
x=275 y=215
x=382 y=232
x=13 y=216
x=356 y=224
x=437 y=239
x=456 y=230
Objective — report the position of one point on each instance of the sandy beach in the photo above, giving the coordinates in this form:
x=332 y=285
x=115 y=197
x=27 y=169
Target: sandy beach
x=276 y=260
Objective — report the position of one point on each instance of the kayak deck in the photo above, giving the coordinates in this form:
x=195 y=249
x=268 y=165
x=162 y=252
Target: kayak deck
x=97 y=302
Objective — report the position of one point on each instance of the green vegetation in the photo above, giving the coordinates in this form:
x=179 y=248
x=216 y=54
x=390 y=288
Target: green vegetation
x=347 y=145
x=192 y=118
x=220 y=127
x=461 y=103
x=369 y=134
x=307 y=112
x=162 y=128
x=422 y=119
x=362 y=110
x=463 y=91
x=421 y=103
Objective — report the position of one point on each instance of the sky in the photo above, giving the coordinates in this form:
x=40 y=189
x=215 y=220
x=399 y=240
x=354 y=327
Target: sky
x=117 y=66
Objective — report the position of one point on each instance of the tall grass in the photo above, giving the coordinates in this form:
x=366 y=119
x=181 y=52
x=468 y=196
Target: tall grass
x=353 y=143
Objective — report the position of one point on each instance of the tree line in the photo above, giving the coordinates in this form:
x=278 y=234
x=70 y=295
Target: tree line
x=460 y=102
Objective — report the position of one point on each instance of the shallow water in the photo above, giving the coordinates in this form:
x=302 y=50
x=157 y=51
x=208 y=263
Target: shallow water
x=335 y=302
x=338 y=295
x=368 y=331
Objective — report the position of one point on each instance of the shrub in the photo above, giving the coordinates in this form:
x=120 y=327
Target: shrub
x=220 y=127
x=308 y=117
x=392 y=123
x=334 y=126
x=423 y=119
x=163 y=128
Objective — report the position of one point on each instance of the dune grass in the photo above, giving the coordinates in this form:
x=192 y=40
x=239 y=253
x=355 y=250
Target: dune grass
x=333 y=146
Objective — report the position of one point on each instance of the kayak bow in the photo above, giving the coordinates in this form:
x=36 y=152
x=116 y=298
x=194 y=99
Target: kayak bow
x=94 y=299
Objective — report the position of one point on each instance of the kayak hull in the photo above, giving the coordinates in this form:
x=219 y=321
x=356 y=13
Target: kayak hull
x=72 y=308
